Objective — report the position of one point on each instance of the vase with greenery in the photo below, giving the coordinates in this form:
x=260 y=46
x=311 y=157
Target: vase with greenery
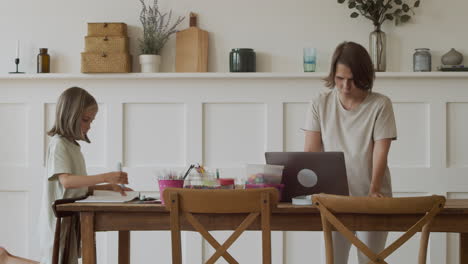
x=379 y=11
x=157 y=29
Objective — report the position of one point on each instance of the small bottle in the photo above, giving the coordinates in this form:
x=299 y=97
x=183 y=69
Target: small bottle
x=43 y=61
x=422 y=60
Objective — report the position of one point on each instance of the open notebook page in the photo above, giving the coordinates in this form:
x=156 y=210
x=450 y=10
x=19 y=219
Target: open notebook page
x=109 y=197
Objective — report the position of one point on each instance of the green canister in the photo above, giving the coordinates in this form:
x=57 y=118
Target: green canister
x=242 y=60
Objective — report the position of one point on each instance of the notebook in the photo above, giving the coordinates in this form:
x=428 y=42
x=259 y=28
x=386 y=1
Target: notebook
x=115 y=197
x=308 y=173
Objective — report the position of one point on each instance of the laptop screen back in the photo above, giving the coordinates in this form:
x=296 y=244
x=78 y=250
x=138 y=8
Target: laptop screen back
x=310 y=172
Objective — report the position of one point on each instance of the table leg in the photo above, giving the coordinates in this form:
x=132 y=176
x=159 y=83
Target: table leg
x=463 y=248
x=88 y=238
x=124 y=247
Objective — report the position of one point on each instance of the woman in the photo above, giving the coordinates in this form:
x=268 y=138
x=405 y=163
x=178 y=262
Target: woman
x=353 y=119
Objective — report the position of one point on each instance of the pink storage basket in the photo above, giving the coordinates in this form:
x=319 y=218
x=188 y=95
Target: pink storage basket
x=163 y=184
x=278 y=186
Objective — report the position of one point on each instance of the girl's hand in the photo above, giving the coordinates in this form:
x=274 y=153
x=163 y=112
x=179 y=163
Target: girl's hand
x=376 y=194
x=116 y=177
x=118 y=188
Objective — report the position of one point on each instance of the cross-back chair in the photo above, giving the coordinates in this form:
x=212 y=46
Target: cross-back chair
x=59 y=215
x=257 y=203
x=329 y=205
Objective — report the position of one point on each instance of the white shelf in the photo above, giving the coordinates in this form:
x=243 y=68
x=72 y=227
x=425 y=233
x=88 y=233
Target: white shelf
x=219 y=75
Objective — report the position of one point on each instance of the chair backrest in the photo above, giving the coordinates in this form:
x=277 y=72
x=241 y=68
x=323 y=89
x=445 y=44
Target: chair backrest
x=59 y=215
x=428 y=206
x=220 y=200
x=254 y=202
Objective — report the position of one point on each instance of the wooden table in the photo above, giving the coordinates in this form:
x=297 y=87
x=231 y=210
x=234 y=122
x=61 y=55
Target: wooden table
x=126 y=217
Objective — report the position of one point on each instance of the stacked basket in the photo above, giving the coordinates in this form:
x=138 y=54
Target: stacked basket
x=106 y=49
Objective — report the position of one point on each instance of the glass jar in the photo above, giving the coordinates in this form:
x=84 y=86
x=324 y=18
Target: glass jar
x=422 y=60
x=43 y=61
x=242 y=60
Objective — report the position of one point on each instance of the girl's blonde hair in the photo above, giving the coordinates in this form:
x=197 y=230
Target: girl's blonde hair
x=71 y=105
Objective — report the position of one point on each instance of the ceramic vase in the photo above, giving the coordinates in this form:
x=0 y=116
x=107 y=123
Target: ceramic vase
x=150 y=63
x=377 y=49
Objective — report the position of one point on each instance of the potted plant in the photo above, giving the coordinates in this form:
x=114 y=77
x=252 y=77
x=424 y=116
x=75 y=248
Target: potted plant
x=379 y=11
x=156 y=32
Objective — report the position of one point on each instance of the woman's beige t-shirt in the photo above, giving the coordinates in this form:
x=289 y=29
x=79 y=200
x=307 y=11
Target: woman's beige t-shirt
x=63 y=156
x=354 y=133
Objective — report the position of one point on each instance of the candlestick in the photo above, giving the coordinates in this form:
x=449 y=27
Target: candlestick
x=17 y=61
x=17 y=49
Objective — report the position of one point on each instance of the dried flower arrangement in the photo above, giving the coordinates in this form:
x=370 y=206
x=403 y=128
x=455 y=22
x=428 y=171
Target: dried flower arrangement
x=156 y=28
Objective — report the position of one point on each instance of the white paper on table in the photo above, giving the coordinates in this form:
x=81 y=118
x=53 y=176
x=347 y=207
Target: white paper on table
x=109 y=197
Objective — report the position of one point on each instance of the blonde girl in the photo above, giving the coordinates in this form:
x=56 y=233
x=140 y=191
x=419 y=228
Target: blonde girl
x=66 y=175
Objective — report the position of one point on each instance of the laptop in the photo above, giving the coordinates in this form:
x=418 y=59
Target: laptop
x=310 y=172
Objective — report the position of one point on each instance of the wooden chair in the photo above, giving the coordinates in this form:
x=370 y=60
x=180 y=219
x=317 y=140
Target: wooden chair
x=428 y=206
x=187 y=202
x=59 y=215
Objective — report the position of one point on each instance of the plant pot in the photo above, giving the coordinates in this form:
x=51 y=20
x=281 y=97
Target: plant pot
x=150 y=63
x=377 y=49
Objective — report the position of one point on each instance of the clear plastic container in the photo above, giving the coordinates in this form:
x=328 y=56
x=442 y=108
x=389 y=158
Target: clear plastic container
x=204 y=180
x=263 y=174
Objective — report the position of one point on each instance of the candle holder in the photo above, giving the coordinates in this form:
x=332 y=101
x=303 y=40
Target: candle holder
x=17 y=61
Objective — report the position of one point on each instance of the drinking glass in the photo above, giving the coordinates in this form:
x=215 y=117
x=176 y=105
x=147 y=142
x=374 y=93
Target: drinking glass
x=310 y=57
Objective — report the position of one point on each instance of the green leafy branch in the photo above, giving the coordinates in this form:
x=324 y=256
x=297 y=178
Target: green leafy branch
x=378 y=11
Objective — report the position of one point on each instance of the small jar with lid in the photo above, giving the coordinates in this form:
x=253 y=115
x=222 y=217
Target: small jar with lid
x=43 y=61
x=242 y=60
x=422 y=60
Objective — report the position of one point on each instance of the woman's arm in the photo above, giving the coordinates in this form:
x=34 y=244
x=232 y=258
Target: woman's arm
x=76 y=181
x=379 y=165
x=313 y=141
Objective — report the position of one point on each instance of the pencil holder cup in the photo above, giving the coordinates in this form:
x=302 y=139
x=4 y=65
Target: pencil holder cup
x=163 y=184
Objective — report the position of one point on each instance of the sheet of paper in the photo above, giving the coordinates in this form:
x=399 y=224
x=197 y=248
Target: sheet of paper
x=109 y=197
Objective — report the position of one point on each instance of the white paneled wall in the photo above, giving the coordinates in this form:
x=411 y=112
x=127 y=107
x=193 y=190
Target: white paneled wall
x=457 y=154
x=154 y=133
x=166 y=121
x=14 y=120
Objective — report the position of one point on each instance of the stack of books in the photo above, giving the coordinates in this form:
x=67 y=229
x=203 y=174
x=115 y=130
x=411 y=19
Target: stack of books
x=452 y=68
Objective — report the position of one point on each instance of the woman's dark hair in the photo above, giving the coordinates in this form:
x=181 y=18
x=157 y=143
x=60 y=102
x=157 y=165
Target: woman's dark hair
x=358 y=60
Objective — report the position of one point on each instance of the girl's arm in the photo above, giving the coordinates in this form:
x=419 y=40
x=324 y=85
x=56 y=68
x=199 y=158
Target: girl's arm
x=110 y=187
x=379 y=165
x=313 y=141
x=77 y=181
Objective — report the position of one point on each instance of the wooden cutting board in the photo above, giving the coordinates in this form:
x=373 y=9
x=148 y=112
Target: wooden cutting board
x=192 y=48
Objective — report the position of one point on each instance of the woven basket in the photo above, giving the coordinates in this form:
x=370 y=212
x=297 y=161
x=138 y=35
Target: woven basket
x=106 y=62
x=106 y=44
x=107 y=29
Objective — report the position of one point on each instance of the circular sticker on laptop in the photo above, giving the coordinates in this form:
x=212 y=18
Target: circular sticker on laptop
x=307 y=178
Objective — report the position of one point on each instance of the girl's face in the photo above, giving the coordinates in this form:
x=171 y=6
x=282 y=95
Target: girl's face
x=344 y=80
x=86 y=120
